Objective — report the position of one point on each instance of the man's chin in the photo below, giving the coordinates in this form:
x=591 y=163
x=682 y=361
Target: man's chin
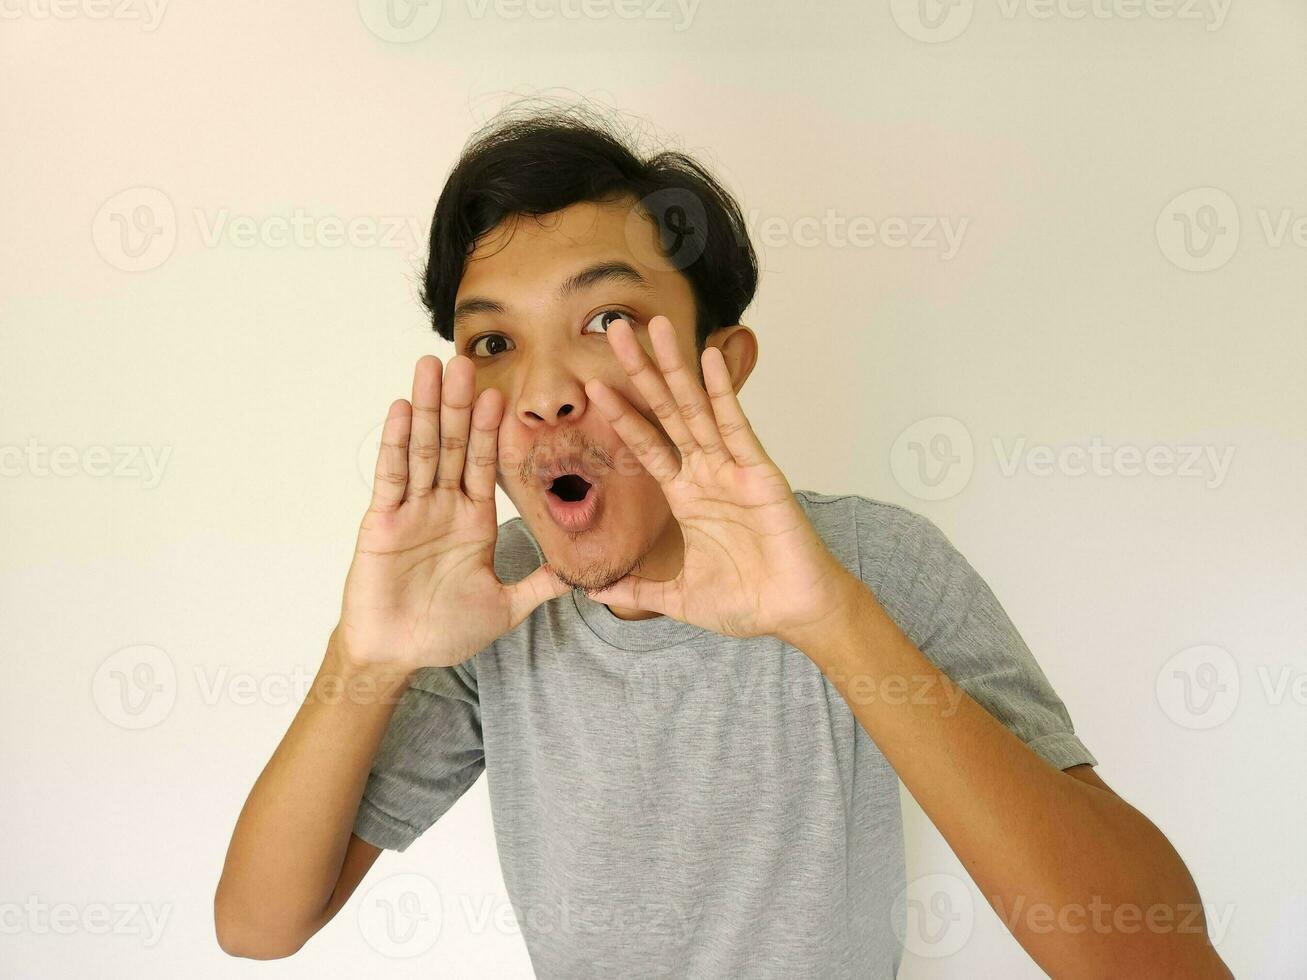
x=593 y=576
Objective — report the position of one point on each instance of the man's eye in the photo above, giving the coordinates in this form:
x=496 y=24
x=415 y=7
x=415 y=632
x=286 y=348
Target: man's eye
x=607 y=317
x=489 y=344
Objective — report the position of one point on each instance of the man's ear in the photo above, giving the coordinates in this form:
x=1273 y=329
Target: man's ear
x=739 y=347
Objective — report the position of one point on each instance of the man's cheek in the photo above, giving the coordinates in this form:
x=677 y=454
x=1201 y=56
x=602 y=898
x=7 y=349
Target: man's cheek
x=510 y=462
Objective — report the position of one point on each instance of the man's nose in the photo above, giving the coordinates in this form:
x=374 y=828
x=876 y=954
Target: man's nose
x=550 y=396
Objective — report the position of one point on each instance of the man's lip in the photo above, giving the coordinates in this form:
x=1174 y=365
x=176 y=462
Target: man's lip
x=573 y=467
x=574 y=516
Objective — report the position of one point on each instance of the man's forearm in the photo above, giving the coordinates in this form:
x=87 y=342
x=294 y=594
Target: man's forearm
x=290 y=840
x=1028 y=834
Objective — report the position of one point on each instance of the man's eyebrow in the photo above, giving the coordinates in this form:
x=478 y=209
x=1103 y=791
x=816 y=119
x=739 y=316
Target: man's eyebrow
x=613 y=271
x=474 y=305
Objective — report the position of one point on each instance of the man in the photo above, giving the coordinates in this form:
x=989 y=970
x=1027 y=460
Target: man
x=694 y=690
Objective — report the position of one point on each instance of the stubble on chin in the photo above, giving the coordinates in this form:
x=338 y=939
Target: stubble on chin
x=596 y=575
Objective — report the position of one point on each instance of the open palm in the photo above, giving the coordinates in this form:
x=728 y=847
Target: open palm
x=753 y=563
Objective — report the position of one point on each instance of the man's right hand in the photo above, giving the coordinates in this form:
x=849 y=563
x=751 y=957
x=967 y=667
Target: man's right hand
x=422 y=589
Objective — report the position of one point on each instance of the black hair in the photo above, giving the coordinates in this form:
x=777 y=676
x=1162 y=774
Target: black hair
x=548 y=159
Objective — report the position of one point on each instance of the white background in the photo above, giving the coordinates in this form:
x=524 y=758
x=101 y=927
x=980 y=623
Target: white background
x=1073 y=309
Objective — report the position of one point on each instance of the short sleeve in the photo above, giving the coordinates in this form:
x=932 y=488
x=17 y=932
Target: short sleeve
x=429 y=756
x=950 y=613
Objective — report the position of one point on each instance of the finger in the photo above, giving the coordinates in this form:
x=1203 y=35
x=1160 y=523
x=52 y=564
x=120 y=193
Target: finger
x=538 y=587
x=391 y=474
x=424 y=441
x=483 y=446
x=649 y=382
x=732 y=423
x=636 y=592
x=455 y=414
x=692 y=401
x=641 y=436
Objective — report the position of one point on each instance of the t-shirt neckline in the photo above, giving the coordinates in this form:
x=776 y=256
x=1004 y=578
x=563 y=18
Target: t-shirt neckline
x=636 y=635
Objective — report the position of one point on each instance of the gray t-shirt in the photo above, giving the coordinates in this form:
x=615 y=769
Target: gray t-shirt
x=671 y=802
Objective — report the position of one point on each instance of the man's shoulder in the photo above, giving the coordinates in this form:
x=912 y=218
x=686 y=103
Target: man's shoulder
x=869 y=536
x=818 y=504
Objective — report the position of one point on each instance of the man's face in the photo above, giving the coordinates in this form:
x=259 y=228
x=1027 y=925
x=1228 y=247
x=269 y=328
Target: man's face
x=538 y=339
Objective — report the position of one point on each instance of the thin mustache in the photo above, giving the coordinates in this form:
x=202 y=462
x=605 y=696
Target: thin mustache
x=591 y=458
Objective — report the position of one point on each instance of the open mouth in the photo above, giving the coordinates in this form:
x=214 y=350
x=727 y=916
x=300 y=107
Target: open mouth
x=570 y=488
x=573 y=502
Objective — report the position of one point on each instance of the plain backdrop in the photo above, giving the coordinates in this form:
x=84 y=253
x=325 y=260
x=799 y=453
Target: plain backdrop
x=1036 y=270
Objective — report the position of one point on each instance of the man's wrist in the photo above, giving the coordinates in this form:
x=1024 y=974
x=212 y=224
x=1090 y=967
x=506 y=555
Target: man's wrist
x=359 y=679
x=841 y=614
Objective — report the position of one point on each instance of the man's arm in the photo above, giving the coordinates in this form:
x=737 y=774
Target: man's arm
x=422 y=592
x=753 y=564
x=293 y=860
x=1027 y=833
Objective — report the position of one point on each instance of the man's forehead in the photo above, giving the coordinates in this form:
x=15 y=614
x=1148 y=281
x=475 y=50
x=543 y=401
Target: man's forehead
x=540 y=252
x=588 y=226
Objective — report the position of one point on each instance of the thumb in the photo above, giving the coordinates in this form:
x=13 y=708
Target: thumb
x=538 y=587
x=634 y=591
